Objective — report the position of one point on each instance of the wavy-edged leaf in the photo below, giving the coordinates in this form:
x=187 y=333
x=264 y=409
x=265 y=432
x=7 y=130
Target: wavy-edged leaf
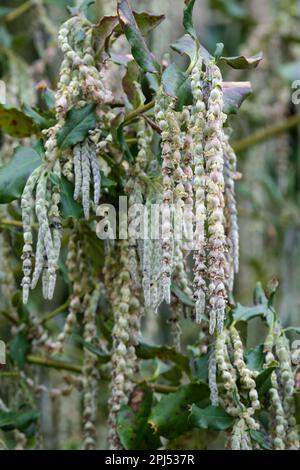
x=102 y=356
x=211 y=417
x=147 y=22
x=103 y=31
x=235 y=94
x=255 y=358
x=42 y=120
x=131 y=85
x=133 y=428
x=68 y=206
x=188 y=18
x=14 y=174
x=139 y=48
x=242 y=313
x=78 y=123
x=16 y=123
x=258 y=437
x=263 y=380
x=242 y=62
x=170 y=417
x=182 y=296
x=165 y=353
x=177 y=84
x=10 y=420
x=19 y=348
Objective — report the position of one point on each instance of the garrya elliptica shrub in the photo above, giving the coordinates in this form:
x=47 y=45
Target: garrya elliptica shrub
x=163 y=143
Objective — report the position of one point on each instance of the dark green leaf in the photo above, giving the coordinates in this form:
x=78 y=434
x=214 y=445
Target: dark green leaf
x=135 y=38
x=107 y=182
x=201 y=367
x=133 y=428
x=48 y=98
x=102 y=356
x=103 y=31
x=258 y=437
x=78 y=123
x=263 y=380
x=10 y=420
x=147 y=22
x=19 y=347
x=68 y=206
x=255 y=358
x=212 y=417
x=165 y=353
x=188 y=18
x=186 y=45
x=170 y=417
x=177 y=84
x=43 y=121
x=242 y=62
x=14 y=174
x=182 y=296
x=131 y=85
x=242 y=313
x=234 y=95
x=16 y=123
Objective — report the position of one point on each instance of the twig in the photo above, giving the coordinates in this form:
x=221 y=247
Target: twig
x=14 y=223
x=163 y=388
x=19 y=11
x=266 y=134
x=54 y=313
x=136 y=112
x=53 y=363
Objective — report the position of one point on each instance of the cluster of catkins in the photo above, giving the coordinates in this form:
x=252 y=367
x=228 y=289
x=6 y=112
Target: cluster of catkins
x=81 y=84
x=233 y=385
x=285 y=431
x=127 y=311
x=198 y=202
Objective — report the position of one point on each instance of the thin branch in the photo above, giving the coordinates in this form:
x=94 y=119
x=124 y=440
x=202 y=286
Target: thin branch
x=163 y=388
x=13 y=223
x=10 y=317
x=48 y=316
x=53 y=363
x=266 y=134
x=19 y=11
x=136 y=112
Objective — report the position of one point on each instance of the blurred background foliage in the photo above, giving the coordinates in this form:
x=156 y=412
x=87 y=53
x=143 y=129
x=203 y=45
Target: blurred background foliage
x=269 y=191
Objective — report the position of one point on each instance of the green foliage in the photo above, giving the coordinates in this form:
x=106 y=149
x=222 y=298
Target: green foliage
x=21 y=420
x=170 y=417
x=165 y=353
x=14 y=174
x=16 y=123
x=78 y=123
x=132 y=422
x=19 y=348
x=135 y=38
x=211 y=417
x=188 y=18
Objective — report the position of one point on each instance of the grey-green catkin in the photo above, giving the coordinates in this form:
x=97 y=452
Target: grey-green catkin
x=213 y=153
x=27 y=206
x=86 y=178
x=77 y=170
x=212 y=379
